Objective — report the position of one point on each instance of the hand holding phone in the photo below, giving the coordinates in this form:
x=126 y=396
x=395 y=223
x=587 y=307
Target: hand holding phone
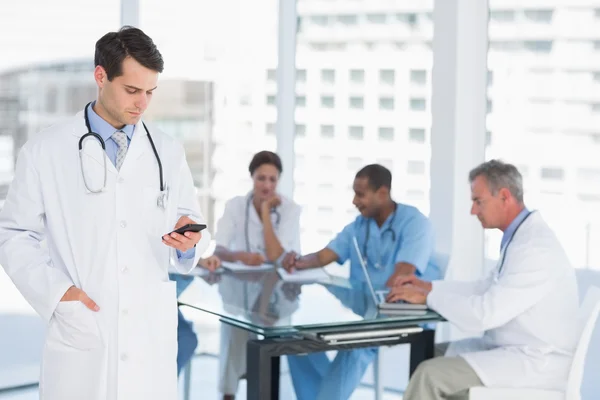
x=190 y=228
x=186 y=236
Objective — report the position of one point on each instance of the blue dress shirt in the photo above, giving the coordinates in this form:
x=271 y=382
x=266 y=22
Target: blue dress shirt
x=106 y=130
x=513 y=227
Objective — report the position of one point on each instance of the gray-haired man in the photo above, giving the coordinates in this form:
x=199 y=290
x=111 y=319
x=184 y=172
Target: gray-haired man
x=527 y=306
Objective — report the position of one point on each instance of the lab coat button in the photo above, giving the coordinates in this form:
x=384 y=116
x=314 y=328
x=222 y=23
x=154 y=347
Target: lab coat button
x=124 y=270
x=123 y=224
x=123 y=357
x=121 y=180
x=125 y=311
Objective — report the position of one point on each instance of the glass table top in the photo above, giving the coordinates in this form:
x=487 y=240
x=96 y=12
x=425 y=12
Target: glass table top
x=261 y=302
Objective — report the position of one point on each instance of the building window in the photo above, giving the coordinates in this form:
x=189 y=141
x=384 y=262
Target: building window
x=415 y=195
x=321 y=20
x=328 y=75
x=300 y=130
x=355 y=163
x=489 y=106
x=418 y=104
x=356 y=132
x=544 y=16
x=270 y=129
x=502 y=15
x=416 y=135
x=327 y=162
x=415 y=168
x=301 y=101
x=301 y=75
x=357 y=75
x=589 y=175
x=376 y=18
x=557 y=174
x=272 y=75
x=538 y=46
x=386 y=103
x=327 y=101
x=408 y=18
x=327 y=131
x=488 y=138
x=386 y=133
x=271 y=100
x=387 y=76
x=357 y=103
x=418 y=76
x=595 y=107
x=347 y=19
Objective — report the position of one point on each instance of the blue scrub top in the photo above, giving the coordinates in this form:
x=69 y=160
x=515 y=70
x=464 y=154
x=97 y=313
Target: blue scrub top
x=414 y=244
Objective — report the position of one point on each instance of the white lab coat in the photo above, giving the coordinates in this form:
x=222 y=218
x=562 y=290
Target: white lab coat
x=107 y=244
x=528 y=313
x=240 y=296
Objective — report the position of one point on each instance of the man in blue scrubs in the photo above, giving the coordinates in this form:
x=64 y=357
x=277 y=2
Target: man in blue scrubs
x=396 y=240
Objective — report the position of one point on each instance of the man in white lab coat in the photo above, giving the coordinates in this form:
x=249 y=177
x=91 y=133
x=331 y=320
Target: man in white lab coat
x=527 y=306
x=84 y=235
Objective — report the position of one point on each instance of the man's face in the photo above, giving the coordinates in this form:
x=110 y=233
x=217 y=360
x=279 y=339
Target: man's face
x=488 y=208
x=366 y=199
x=127 y=96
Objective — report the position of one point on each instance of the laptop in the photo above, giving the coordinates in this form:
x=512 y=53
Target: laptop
x=399 y=307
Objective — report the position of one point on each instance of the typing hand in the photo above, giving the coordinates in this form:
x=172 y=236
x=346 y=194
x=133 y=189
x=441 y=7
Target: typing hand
x=412 y=280
x=76 y=294
x=409 y=293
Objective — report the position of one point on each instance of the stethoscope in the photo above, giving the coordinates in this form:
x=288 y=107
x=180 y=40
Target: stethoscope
x=246 y=222
x=161 y=201
x=503 y=252
x=389 y=229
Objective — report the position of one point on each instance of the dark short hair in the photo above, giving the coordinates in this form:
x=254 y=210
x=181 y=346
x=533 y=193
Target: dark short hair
x=114 y=47
x=377 y=175
x=265 y=157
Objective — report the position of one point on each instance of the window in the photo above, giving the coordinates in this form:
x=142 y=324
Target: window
x=301 y=101
x=418 y=104
x=416 y=135
x=489 y=106
x=356 y=132
x=347 y=19
x=327 y=101
x=408 y=18
x=357 y=103
x=321 y=20
x=271 y=100
x=301 y=75
x=270 y=129
x=538 y=46
x=376 y=18
x=544 y=16
x=355 y=163
x=553 y=173
x=357 y=75
x=300 y=130
x=502 y=15
x=595 y=107
x=589 y=175
x=386 y=103
x=328 y=75
x=418 y=76
x=488 y=138
x=387 y=76
x=415 y=195
x=386 y=133
x=272 y=75
x=490 y=78
x=327 y=131
x=415 y=168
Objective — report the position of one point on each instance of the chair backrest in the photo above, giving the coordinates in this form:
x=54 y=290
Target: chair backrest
x=588 y=317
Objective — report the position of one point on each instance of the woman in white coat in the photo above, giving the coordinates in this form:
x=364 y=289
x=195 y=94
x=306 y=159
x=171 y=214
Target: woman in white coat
x=259 y=227
x=527 y=306
x=83 y=236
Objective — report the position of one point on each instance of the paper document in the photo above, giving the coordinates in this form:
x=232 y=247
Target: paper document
x=198 y=271
x=239 y=267
x=305 y=275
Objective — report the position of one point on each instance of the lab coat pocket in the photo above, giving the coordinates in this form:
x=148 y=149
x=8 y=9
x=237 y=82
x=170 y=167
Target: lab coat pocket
x=74 y=325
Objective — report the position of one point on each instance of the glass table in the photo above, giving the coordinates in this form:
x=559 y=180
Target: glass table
x=301 y=318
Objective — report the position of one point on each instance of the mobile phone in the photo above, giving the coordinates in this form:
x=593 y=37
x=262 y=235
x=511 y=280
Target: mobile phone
x=190 y=228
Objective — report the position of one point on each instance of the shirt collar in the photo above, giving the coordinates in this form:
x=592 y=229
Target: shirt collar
x=103 y=128
x=513 y=227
